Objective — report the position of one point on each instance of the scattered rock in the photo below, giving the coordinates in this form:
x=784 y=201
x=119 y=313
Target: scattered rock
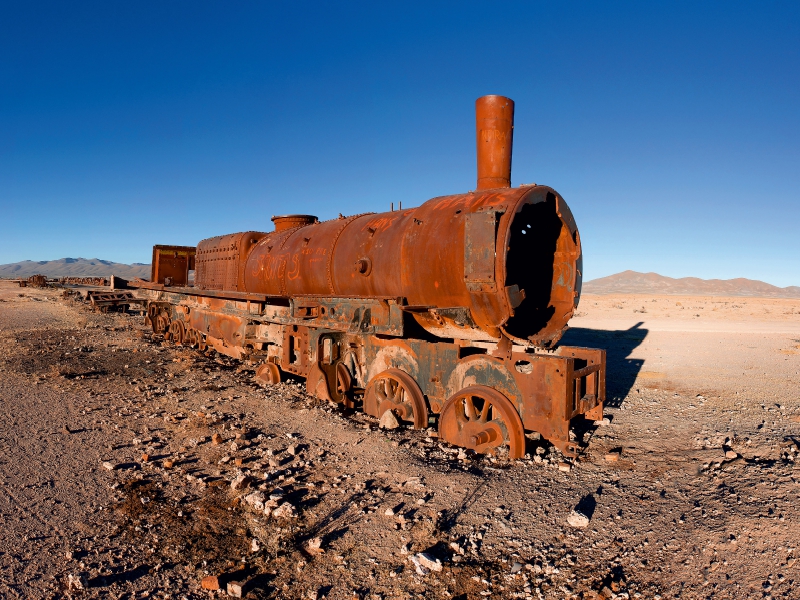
x=210 y=582
x=456 y=548
x=168 y=463
x=292 y=449
x=425 y=563
x=235 y=589
x=564 y=466
x=216 y=439
x=612 y=456
x=577 y=519
x=77 y=581
x=241 y=482
x=314 y=546
x=255 y=500
x=108 y=466
x=284 y=511
x=388 y=421
x=731 y=454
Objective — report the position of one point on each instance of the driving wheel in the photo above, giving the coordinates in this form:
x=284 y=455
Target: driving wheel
x=484 y=420
x=177 y=332
x=397 y=391
x=268 y=373
x=162 y=323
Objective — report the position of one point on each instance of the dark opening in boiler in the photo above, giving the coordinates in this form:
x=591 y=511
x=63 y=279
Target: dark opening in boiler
x=529 y=264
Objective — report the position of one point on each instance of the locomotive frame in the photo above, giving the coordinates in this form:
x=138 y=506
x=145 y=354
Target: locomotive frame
x=357 y=307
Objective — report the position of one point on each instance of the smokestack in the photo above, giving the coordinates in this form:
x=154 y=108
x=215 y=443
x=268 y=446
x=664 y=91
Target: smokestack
x=284 y=222
x=494 y=125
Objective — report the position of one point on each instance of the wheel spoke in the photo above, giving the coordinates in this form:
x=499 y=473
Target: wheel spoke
x=485 y=411
x=469 y=408
x=396 y=391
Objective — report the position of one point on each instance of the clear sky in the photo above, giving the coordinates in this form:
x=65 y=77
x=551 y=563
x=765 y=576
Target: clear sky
x=672 y=129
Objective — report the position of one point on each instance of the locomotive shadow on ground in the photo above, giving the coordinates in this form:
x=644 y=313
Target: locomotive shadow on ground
x=621 y=371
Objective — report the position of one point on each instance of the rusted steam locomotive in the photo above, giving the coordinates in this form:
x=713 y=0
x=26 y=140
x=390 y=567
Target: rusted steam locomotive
x=451 y=310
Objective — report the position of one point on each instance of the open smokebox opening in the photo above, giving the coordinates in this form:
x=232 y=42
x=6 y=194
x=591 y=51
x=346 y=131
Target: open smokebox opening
x=534 y=240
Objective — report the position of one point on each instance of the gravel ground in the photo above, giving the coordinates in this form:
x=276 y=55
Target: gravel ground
x=134 y=469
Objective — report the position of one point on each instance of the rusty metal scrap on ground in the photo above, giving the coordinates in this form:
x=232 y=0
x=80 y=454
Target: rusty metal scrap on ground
x=33 y=281
x=105 y=301
x=449 y=312
x=99 y=281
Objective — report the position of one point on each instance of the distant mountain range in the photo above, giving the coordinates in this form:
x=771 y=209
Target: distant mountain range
x=631 y=282
x=627 y=282
x=74 y=267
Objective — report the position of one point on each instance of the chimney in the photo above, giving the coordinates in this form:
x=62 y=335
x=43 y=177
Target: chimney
x=494 y=125
x=284 y=222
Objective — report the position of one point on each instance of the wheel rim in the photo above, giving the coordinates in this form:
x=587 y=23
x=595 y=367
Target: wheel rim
x=268 y=373
x=189 y=339
x=178 y=332
x=484 y=420
x=344 y=383
x=162 y=324
x=396 y=390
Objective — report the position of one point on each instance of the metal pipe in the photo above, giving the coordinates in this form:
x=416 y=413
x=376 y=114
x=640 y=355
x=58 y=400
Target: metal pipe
x=494 y=128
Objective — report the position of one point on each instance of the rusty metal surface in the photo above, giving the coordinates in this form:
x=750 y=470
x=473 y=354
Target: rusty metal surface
x=33 y=281
x=284 y=222
x=171 y=264
x=105 y=301
x=482 y=419
x=451 y=310
x=397 y=391
x=98 y=281
x=466 y=251
x=494 y=128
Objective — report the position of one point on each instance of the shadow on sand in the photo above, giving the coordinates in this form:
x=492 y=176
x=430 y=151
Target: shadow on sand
x=621 y=371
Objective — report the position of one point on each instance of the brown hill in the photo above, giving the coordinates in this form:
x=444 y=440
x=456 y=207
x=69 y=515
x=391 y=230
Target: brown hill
x=632 y=282
x=74 y=267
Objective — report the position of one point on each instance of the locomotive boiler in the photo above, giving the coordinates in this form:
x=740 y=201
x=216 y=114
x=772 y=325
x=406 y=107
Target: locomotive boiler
x=449 y=313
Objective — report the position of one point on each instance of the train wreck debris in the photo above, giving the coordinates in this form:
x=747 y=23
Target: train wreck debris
x=96 y=281
x=105 y=301
x=39 y=281
x=448 y=312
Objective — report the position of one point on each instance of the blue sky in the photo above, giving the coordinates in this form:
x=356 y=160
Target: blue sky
x=672 y=129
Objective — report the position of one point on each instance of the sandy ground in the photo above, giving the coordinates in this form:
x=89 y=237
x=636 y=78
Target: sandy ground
x=111 y=480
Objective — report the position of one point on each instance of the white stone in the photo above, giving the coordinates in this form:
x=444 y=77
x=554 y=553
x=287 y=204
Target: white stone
x=578 y=519
x=388 y=421
x=418 y=565
x=255 y=500
x=284 y=511
x=76 y=582
x=429 y=562
x=314 y=546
